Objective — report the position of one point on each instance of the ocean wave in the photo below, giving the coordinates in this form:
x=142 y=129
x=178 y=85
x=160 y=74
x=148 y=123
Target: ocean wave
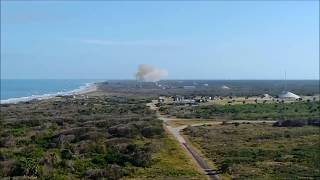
x=82 y=89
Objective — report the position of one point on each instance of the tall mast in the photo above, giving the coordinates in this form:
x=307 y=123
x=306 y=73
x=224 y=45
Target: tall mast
x=285 y=80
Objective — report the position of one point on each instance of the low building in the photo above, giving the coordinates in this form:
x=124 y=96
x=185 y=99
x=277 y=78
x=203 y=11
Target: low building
x=188 y=101
x=183 y=100
x=201 y=99
x=177 y=98
x=189 y=87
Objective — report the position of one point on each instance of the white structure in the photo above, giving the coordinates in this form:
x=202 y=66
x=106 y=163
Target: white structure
x=288 y=95
x=266 y=96
x=161 y=99
x=224 y=87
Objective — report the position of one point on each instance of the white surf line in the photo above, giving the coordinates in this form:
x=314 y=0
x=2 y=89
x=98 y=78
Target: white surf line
x=88 y=87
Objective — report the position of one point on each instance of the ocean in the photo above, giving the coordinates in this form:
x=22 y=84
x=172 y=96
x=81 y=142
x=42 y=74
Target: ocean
x=15 y=90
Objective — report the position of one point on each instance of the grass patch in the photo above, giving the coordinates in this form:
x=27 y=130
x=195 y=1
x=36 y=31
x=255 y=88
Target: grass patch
x=260 y=150
x=169 y=161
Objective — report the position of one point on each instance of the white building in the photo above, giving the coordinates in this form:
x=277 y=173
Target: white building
x=288 y=95
x=225 y=87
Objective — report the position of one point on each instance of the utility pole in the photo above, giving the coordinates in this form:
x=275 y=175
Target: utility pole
x=285 y=80
x=285 y=91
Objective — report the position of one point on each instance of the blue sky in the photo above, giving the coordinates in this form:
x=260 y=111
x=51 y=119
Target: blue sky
x=191 y=40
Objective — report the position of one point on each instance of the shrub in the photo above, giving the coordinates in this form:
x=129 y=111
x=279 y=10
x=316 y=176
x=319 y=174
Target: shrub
x=66 y=154
x=151 y=131
x=290 y=123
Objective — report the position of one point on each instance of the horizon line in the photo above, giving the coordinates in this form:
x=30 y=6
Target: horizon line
x=132 y=79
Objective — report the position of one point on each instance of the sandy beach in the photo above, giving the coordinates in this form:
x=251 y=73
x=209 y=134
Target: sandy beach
x=88 y=88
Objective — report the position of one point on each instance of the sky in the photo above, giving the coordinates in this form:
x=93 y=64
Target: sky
x=190 y=40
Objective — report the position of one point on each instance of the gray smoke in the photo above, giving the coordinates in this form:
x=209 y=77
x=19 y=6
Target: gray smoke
x=149 y=73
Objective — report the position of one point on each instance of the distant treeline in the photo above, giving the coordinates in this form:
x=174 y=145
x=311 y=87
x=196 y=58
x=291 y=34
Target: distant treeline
x=275 y=111
x=212 y=87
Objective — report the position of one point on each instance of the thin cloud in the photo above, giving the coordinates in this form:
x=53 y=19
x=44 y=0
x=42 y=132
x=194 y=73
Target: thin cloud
x=29 y=17
x=128 y=43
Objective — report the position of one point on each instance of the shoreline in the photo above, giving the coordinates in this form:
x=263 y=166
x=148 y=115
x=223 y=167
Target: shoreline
x=90 y=88
x=87 y=88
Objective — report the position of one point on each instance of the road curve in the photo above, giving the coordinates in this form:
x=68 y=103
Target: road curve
x=175 y=131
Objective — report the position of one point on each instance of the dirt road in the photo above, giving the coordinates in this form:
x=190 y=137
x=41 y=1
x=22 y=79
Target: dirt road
x=175 y=131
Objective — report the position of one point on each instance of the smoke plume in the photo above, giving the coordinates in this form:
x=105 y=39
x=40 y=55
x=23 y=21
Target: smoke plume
x=149 y=73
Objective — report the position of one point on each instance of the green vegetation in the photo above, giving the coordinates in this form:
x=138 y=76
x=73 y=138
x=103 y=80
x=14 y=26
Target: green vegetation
x=118 y=137
x=238 y=87
x=251 y=151
x=169 y=161
x=273 y=111
x=86 y=138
